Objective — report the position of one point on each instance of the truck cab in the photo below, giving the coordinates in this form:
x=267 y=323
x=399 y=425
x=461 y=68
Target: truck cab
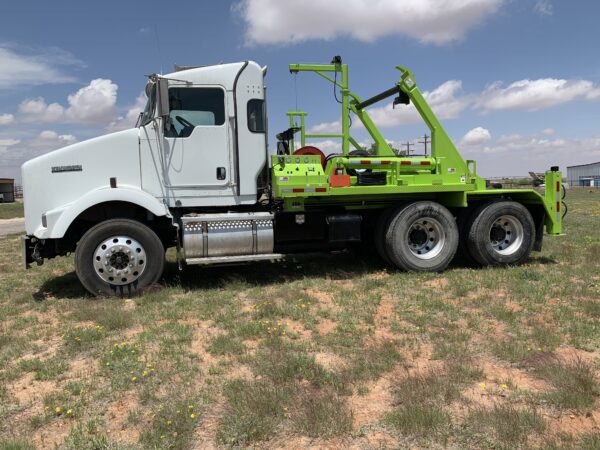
x=216 y=123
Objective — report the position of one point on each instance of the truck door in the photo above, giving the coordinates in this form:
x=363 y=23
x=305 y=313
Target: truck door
x=196 y=144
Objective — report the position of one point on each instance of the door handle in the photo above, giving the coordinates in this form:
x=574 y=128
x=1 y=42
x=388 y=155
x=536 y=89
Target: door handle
x=221 y=173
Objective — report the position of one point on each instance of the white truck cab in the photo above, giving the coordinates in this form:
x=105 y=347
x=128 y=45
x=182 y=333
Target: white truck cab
x=208 y=151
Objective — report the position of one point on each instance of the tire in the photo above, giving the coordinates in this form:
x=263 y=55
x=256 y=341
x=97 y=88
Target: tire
x=501 y=233
x=422 y=237
x=119 y=257
x=380 y=232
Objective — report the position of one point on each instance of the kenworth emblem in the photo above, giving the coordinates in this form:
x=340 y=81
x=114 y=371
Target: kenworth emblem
x=74 y=168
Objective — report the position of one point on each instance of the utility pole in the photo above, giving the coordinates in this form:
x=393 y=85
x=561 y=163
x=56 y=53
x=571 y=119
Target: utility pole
x=408 y=144
x=425 y=141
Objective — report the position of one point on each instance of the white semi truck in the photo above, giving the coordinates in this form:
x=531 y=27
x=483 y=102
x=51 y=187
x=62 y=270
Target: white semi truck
x=196 y=174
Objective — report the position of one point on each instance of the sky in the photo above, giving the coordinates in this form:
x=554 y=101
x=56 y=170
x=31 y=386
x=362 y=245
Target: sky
x=516 y=84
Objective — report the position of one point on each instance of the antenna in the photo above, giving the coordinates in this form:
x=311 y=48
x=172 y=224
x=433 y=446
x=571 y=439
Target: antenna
x=158 y=48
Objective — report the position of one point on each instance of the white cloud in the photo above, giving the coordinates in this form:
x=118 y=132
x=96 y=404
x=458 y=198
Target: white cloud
x=548 y=131
x=448 y=101
x=328 y=146
x=6 y=119
x=543 y=8
x=517 y=154
x=476 y=136
x=9 y=142
x=326 y=127
x=532 y=95
x=131 y=117
x=36 y=109
x=94 y=103
x=445 y=101
x=53 y=136
x=428 y=21
x=21 y=69
x=14 y=152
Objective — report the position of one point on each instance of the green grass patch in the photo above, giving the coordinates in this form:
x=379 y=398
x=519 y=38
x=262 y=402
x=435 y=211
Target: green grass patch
x=225 y=344
x=47 y=369
x=321 y=414
x=574 y=382
x=15 y=444
x=173 y=424
x=509 y=425
x=419 y=420
x=11 y=210
x=254 y=410
x=126 y=366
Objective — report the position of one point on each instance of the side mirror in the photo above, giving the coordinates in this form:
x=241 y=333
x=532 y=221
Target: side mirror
x=163 y=97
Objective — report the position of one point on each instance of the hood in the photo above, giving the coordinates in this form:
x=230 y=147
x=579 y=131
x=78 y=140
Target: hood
x=60 y=177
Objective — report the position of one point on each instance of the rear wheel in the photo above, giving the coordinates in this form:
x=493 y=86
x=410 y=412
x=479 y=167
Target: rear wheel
x=119 y=257
x=501 y=233
x=422 y=236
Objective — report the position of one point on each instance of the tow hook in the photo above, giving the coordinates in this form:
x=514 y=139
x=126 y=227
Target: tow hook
x=35 y=255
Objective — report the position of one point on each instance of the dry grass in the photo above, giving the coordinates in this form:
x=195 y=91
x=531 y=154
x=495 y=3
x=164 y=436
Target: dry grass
x=328 y=351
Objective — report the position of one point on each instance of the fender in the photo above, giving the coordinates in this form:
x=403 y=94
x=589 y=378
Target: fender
x=58 y=220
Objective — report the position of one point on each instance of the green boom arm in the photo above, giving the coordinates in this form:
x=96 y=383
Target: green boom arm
x=442 y=146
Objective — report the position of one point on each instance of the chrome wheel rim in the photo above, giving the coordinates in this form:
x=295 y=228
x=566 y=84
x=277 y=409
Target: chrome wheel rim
x=506 y=235
x=426 y=238
x=119 y=260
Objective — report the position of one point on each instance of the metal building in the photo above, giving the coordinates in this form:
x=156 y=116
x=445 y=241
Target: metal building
x=584 y=175
x=7 y=190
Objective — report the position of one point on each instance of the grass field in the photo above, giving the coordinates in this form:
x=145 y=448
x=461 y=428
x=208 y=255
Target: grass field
x=11 y=210
x=328 y=351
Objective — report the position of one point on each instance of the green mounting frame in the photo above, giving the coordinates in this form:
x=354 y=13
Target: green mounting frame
x=301 y=182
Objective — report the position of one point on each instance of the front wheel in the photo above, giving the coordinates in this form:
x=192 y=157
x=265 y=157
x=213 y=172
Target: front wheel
x=422 y=236
x=119 y=257
x=501 y=233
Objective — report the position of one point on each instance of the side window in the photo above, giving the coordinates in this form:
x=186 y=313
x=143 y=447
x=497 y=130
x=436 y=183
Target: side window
x=256 y=116
x=191 y=107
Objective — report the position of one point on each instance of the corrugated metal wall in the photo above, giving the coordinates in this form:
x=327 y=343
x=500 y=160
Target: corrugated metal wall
x=583 y=175
x=7 y=190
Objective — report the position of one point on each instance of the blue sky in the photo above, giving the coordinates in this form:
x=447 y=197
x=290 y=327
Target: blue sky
x=515 y=83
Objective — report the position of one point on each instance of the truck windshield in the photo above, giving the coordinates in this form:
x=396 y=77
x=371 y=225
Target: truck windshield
x=148 y=113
